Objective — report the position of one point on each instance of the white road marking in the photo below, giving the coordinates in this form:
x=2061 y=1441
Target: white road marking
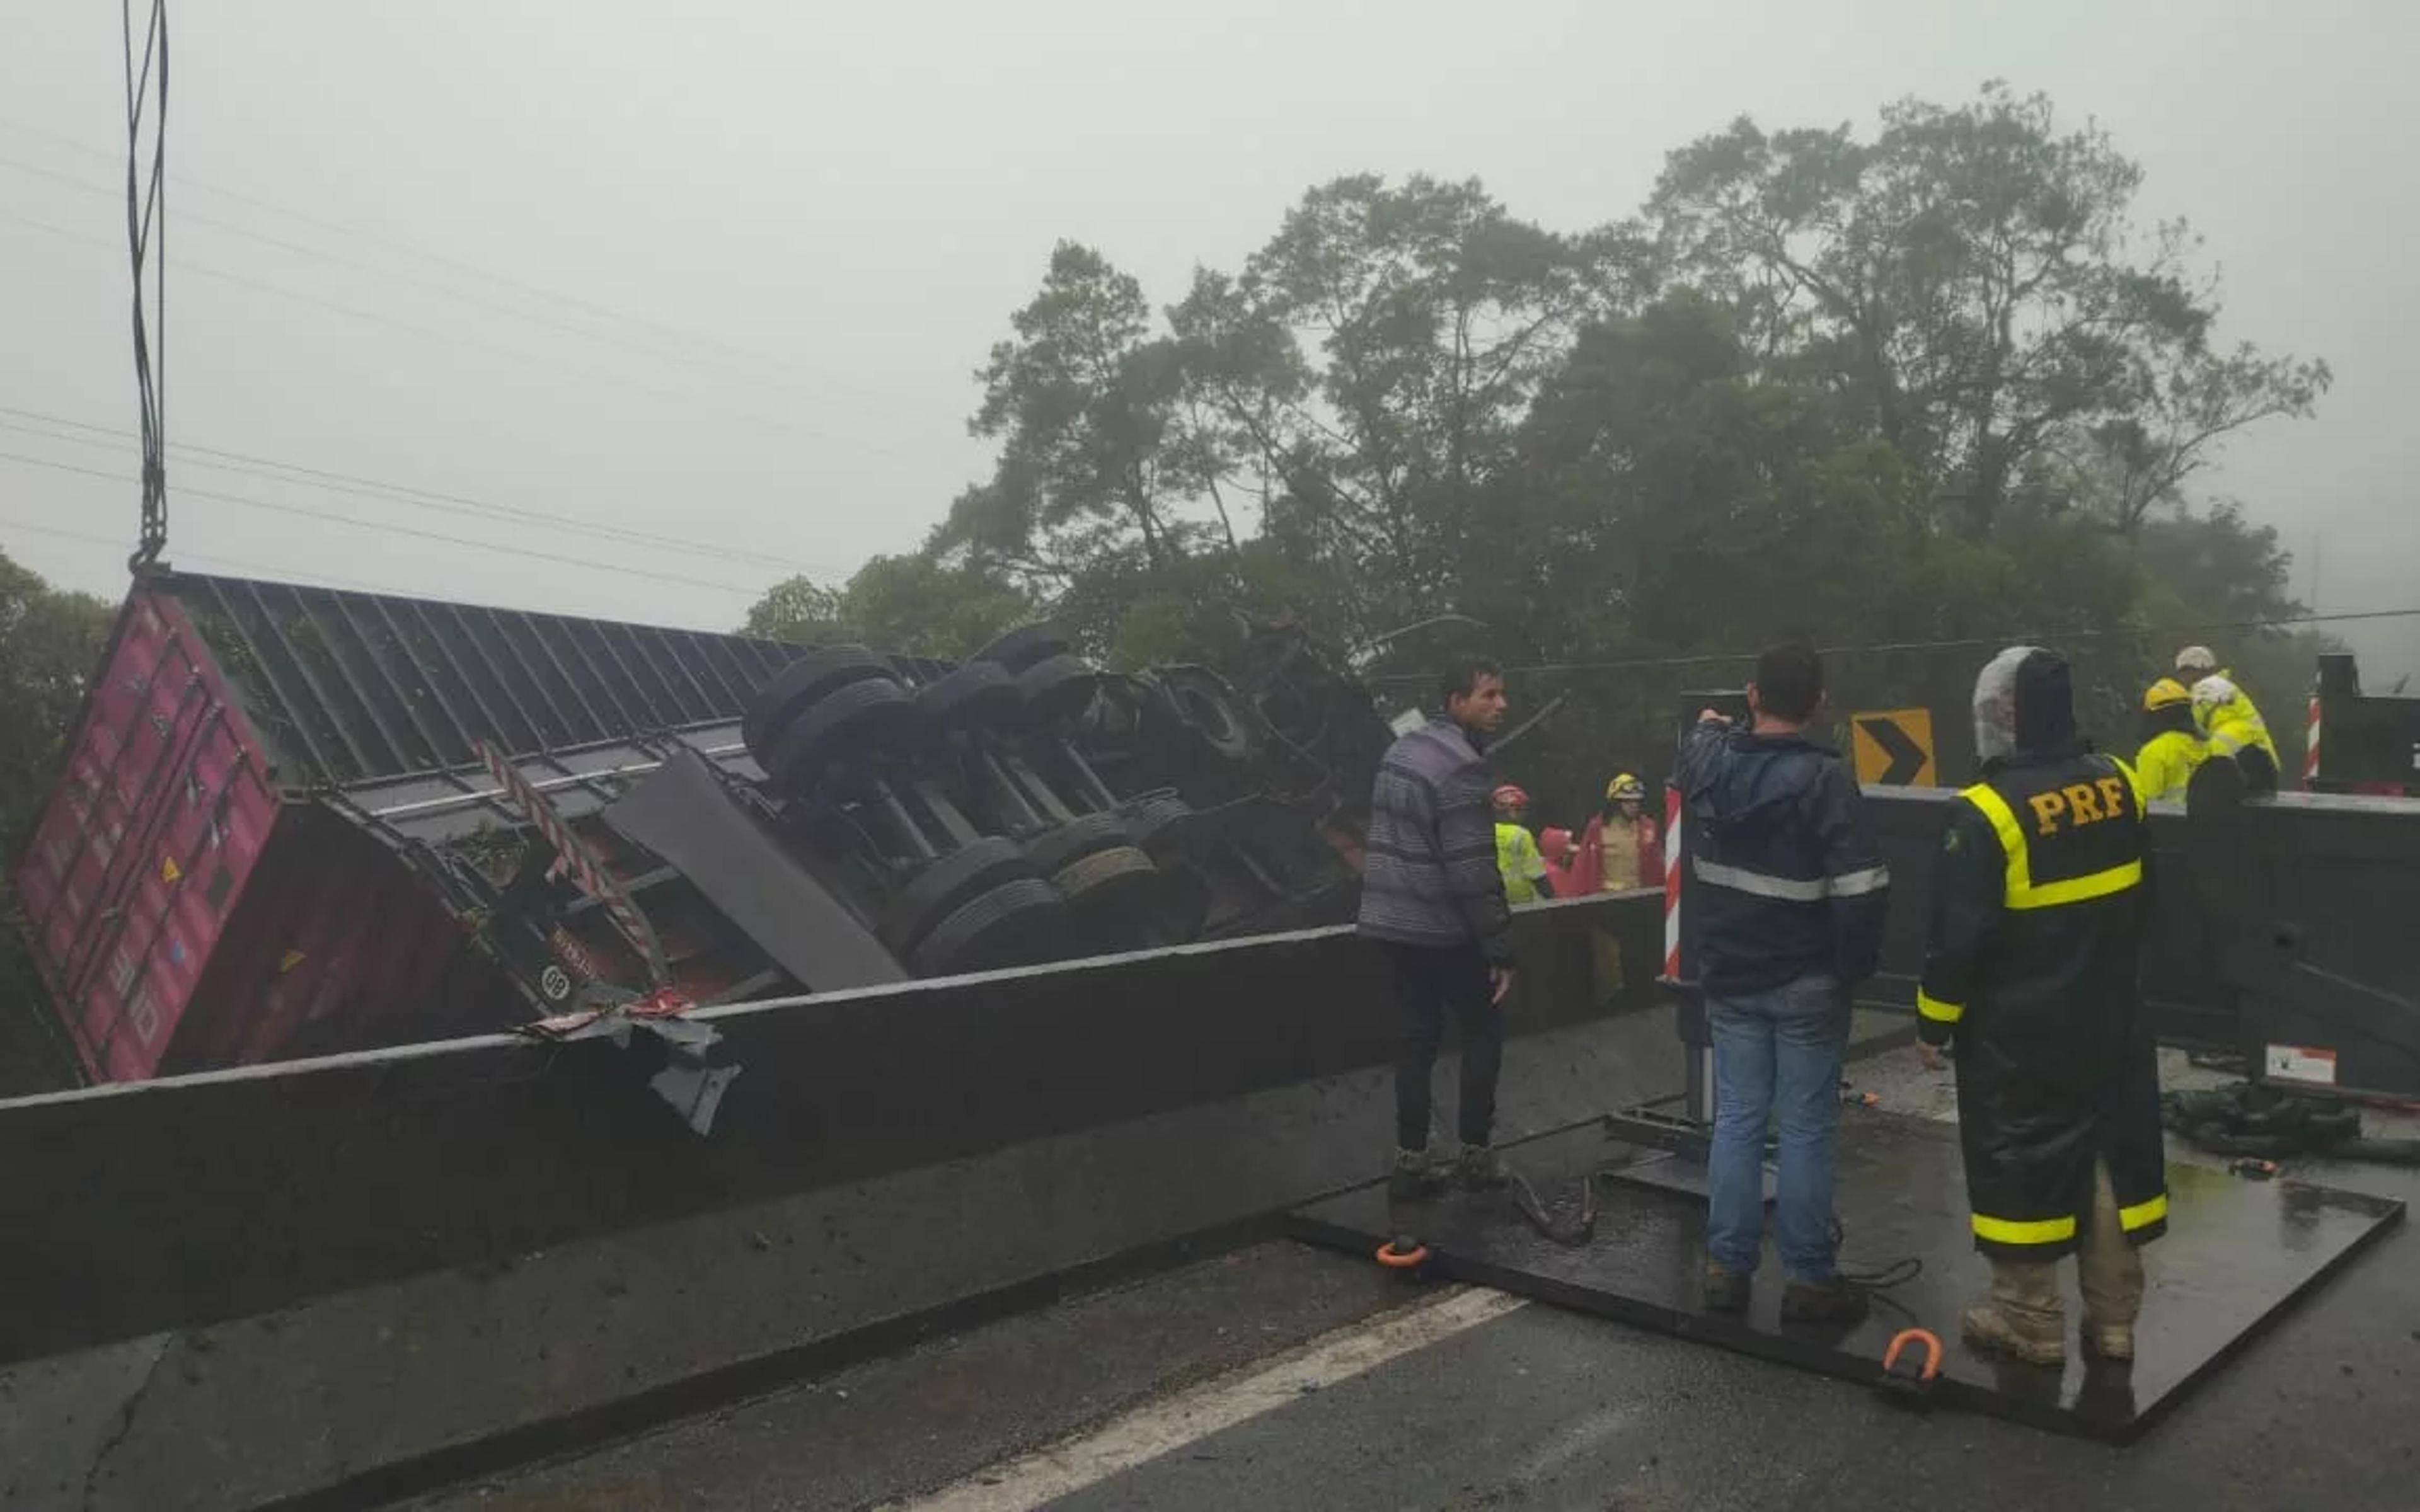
x=1161 y=1428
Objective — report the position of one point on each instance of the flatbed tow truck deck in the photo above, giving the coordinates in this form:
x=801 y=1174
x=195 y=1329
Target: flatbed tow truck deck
x=1282 y=1376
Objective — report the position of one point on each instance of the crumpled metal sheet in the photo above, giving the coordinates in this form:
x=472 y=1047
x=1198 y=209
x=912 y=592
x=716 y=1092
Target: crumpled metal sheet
x=693 y=1086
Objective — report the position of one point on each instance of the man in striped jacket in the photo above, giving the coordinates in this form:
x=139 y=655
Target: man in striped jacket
x=1787 y=912
x=1433 y=900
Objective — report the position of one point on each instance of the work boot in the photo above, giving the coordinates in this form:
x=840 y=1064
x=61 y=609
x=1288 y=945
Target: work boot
x=1823 y=1301
x=1727 y=1291
x=1988 y=1328
x=2112 y=1342
x=1414 y=1177
x=1480 y=1168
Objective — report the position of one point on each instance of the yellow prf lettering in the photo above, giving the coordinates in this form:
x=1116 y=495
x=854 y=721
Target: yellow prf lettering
x=2112 y=795
x=2087 y=803
x=2047 y=806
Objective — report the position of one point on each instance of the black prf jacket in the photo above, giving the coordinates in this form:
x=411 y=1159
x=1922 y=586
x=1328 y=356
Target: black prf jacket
x=2040 y=903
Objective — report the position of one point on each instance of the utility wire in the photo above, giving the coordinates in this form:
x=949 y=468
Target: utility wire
x=274 y=470
x=147 y=236
x=723 y=367
x=649 y=573
x=249 y=568
x=453 y=339
x=469 y=269
x=1973 y=643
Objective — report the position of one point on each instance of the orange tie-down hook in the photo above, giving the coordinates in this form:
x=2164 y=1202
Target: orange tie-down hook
x=1907 y=1376
x=1404 y=1255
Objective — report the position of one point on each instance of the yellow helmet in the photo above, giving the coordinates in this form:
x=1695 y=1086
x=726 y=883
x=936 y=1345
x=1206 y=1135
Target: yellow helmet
x=2168 y=693
x=1625 y=786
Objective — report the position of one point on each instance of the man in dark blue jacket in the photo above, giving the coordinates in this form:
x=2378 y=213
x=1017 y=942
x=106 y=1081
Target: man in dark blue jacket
x=1434 y=899
x=1787 y=912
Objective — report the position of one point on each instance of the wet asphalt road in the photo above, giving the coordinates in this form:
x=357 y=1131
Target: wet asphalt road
x=1535 y=1410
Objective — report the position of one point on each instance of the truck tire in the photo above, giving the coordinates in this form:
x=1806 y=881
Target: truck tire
x=1022 y=647
x=851 y=717
x=1012 y=925
x=1161 y=827
x=978 y=695
x=1206 y=706
x=1077 y=838
x=1115 y=900
x=798 y=686
x=1118 y=876
x=1058 y=688
x=944 y=884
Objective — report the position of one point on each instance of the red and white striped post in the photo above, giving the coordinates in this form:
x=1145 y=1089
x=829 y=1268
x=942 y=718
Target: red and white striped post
x=1696 y=1053
x=2311 y=747
x=1675 y=856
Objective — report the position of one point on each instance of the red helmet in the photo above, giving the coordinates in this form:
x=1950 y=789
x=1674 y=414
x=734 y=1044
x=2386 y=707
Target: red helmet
x=1508 y=797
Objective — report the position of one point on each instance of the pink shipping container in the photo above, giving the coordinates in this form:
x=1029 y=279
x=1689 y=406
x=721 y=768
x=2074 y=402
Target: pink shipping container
x=230 y=868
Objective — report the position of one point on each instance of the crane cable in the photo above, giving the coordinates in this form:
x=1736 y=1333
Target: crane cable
x=146 y=235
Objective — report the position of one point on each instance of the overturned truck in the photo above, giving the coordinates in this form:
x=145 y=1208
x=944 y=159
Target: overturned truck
x=297 y=820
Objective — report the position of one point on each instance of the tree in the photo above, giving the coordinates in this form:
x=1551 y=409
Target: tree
x=797 y=609
x=916 y=605
x=1085 y=401
x=50 y=647
x=1376 y=357
x=1973 y=276
x=1932 y=388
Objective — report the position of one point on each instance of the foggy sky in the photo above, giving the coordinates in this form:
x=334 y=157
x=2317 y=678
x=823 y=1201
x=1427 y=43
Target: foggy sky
x=809 y=222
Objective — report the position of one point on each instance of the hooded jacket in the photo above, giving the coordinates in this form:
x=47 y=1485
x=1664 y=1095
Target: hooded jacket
x=1789 y=882
x=2040 y=906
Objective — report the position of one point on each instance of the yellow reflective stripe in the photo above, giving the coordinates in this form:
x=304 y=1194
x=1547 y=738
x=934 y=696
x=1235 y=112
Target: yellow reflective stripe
x=2080 y=889
x=2004 y=824
x=1937 y=1011
x=2134 y=784
x=2024 y=1230
x=2142 y=1214
x=2019 y=889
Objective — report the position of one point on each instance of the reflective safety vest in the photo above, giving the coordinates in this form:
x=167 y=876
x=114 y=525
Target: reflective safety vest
x=2040 y=906
x=1517 y=857
x=2166 y=764
x=2226 y=712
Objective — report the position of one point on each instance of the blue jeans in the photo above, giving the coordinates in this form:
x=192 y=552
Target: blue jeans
x=1776 y=1053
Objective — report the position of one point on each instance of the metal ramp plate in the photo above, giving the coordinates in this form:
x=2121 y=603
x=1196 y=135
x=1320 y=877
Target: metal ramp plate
x=2237 y=1252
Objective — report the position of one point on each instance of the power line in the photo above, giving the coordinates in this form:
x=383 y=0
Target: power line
x=146 y=238
x=649 y=573
x=492 y=306
x=455 y=340
x=339 y=228
x=277 y=472
x=283 y=574
x=468 y=270
x=1973 y=643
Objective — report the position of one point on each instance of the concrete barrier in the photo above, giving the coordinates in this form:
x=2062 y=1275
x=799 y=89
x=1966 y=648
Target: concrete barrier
x=336 y=1280
x=185 y=1201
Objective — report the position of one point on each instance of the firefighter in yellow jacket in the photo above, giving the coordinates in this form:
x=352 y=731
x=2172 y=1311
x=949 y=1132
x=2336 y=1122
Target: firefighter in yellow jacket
x=2173 y=748
x=2226 y=714
x=2040 y=906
